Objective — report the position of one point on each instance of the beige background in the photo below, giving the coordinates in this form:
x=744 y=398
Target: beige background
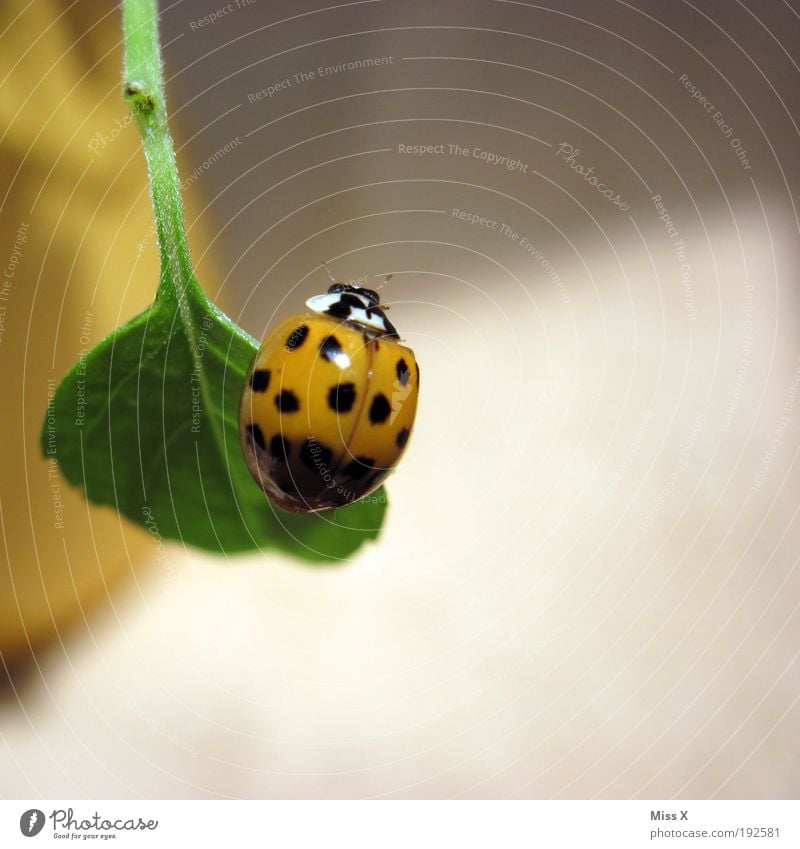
x=587 y=584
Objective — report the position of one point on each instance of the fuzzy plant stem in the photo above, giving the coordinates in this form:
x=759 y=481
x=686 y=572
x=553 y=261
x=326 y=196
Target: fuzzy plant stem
x=143 y=89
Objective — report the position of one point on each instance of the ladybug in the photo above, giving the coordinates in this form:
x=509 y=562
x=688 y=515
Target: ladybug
x=329 y=402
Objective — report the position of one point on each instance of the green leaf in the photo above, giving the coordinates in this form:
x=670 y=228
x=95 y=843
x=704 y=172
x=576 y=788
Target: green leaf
x=147 y=422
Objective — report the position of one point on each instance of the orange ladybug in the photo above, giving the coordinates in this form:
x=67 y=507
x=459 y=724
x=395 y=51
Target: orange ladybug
x=329 y=403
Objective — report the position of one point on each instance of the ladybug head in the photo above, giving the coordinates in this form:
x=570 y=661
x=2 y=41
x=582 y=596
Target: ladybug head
x=354 y=305
x=370 y=294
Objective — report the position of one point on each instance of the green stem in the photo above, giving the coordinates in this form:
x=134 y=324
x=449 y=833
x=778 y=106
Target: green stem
x=144 y=90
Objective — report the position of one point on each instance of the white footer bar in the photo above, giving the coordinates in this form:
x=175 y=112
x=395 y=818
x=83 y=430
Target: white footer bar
x=388 y=824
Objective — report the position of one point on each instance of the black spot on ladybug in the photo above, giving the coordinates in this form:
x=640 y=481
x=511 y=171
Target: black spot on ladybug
x=379 y=409
x=402 y=437
x=330 y=348
x=255 y=435
x=280 y=448
x=359 y=468
x=287 y=402
x=343 y=307
x=403 y=371
x=297 y=337
x=259 y=379
x=417 y=365
x=315 y=455
x=342 y=397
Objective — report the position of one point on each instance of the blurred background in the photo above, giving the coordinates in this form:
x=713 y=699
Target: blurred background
x=587 y=583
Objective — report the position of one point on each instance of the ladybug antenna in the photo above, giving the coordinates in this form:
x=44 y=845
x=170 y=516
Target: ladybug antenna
x=330 y=273
x=386 y=279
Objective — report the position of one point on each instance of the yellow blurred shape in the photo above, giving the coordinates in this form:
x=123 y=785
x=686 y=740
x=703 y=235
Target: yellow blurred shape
x=77 y=258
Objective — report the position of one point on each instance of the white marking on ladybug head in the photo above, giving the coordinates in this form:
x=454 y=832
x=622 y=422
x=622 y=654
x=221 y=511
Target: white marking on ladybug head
x=323 y=303
x=351 y=305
